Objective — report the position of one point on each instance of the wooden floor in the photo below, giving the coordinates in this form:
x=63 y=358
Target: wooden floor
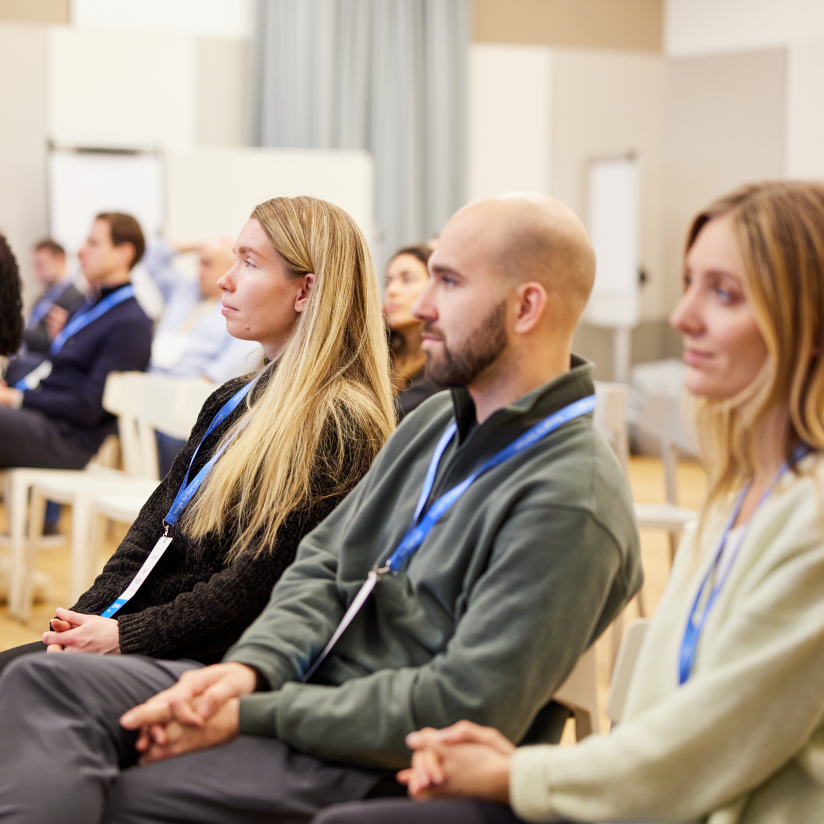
x=647 y=482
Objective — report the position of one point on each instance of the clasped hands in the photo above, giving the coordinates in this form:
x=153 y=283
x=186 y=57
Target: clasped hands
x=76 y=632
x=465 y=760
x=200 y=711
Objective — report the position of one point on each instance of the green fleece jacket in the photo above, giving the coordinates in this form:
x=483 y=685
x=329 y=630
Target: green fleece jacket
x=489 y=615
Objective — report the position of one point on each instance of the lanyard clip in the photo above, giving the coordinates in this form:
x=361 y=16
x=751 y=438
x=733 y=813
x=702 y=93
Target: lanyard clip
x=379 y=572
x=166 y=528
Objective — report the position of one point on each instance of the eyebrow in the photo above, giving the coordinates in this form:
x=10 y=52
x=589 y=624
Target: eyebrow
x=247 y=250
x=440 y=269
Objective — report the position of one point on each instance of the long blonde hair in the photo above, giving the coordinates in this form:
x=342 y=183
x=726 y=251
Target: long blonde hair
x=333 y=372
x=779 y=230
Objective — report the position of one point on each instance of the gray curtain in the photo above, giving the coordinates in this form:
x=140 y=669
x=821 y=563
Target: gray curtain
x=388 y=76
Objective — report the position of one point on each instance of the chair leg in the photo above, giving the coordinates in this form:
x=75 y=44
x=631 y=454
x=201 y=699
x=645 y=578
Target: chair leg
x=82 y=549
x=37 y=512
x=673 y=546
x=17 y=491
x=583 y=724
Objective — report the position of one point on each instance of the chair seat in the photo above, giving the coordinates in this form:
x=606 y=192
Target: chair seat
x=667 y=517
x=121 y=508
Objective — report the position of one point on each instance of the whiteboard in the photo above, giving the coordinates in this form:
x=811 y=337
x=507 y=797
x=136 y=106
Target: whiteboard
x=614 y=226
x=81 y=184
x=212 y=191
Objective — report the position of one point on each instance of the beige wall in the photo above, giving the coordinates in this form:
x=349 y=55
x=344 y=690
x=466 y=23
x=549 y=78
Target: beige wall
x=23 y=56
x=35 y=11
x=224 y=97
x=724 y=126
x=609 y=24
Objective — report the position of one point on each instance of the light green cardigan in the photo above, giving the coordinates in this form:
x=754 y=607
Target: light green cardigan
x=742 y=742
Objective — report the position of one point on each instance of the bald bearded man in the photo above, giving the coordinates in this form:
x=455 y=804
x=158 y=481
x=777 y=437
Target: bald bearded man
x=489 y=545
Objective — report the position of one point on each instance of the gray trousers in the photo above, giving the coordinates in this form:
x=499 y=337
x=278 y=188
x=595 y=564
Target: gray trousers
x=30 y=438
x=66 y=759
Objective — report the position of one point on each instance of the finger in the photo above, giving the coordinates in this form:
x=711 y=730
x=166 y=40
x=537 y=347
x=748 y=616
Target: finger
x=158 y=735
x=75 y=618
x=404 y=777
x=63 y=639
x=143 y=740
x=183 y=712
x=425 y=737
x=152 y=712
x=466 y=732
x=54 y=648
x=216 y=696
x=57 y=625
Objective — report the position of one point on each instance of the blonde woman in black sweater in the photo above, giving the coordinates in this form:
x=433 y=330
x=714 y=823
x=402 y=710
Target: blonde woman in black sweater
x=315 y=413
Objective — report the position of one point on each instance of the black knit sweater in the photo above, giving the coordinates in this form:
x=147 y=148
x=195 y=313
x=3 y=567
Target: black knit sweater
x=194 y=604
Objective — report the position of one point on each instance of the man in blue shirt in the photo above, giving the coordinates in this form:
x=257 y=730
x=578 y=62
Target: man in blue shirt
x=60 y=423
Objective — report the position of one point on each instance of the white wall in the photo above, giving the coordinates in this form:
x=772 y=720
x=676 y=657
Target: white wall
x=130 y=89
x=209 y=18
x=509 y=123
x=704 y=26
x=805 y=111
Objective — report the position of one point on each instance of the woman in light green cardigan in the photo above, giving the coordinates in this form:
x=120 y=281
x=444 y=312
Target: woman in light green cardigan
x=724 y=721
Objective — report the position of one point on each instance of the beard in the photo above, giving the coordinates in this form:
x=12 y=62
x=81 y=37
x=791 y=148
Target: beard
x=483 y=346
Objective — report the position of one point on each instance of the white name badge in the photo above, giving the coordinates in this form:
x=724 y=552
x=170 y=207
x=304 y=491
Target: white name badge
x=148 y=565
x=167 y=349
x=40 y=373
x=360 y=599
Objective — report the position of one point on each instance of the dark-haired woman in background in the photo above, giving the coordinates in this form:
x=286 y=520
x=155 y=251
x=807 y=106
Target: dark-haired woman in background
x=11 y=305
x=406 y=278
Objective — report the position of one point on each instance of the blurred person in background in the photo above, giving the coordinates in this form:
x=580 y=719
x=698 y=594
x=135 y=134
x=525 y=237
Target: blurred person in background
x=406 y=277
x=11 y=304
x=61 y=299
x=192 y=340
x=54 y=418
x=724 y=718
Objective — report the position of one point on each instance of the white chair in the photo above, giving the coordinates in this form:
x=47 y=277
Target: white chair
x=579 y=693
x=142 y=403
x=624 y=666
x=663 y=417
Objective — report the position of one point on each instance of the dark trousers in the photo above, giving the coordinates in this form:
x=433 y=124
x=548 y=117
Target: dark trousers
x=404 y=811
x=65 y=757
x=9 y=655
x=29 y=438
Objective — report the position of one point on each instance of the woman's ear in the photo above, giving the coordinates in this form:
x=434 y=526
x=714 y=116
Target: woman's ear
x=306 y=284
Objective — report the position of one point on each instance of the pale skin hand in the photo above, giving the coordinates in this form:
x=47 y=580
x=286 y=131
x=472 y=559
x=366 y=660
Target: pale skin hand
x=8 y=395
x=55 y=320
x=465 y=760
x=75 y=632
x=198 y=712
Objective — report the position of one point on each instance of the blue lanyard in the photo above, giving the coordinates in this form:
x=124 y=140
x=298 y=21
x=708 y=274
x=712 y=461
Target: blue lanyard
x=695 y=623
x=188 y=488
x=184 y=495
x=88 y=314
x=417 y=532
x=47 y=301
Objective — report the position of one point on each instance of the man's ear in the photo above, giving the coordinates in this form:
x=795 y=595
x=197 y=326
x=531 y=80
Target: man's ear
x=127 y=253
x=306 y=284
x=532 y=303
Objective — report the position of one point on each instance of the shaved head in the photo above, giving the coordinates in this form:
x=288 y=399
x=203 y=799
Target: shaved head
x=533 y=237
